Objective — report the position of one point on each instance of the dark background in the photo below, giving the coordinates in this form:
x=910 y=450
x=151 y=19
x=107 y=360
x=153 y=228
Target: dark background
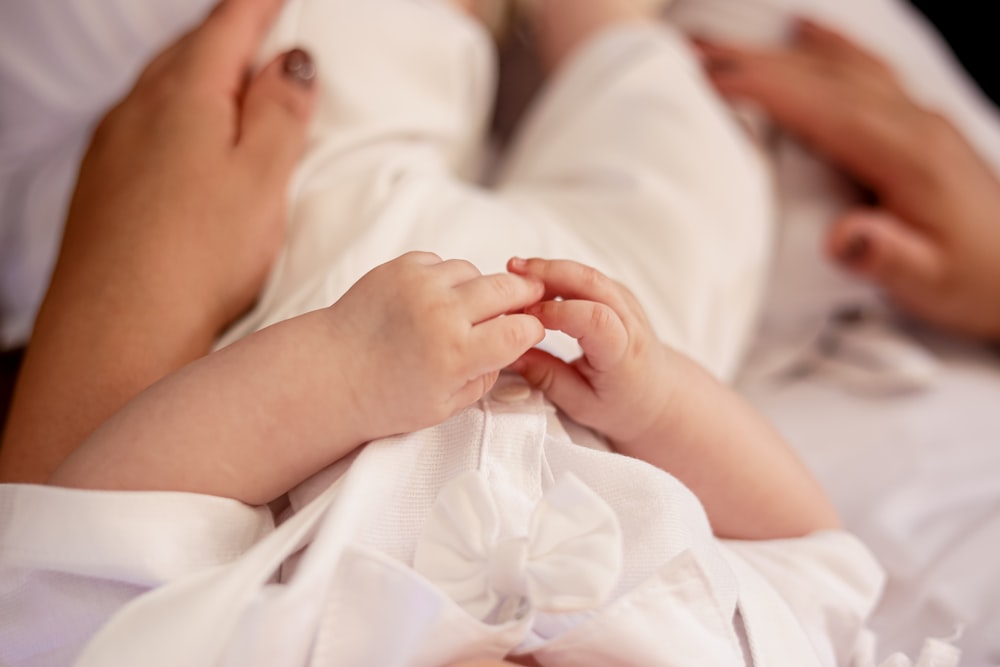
x=970 y=27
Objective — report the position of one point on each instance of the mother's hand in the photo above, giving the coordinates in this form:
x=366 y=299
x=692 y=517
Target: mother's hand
x=177 y=216
x=186 y=178
x=933 y=242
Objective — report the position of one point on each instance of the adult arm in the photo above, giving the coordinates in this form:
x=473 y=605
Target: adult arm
x=176 y=218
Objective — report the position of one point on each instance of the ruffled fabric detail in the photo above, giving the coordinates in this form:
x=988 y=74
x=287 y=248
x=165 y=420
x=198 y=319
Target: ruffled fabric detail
x=568 y=559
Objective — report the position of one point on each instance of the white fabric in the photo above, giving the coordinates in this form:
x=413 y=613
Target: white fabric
x=354 y=599
x=568 y=560
x=632 y=188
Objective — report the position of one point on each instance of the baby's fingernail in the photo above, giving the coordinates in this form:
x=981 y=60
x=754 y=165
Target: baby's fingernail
x=299 y=67
x=856 y=249
x=518 y=263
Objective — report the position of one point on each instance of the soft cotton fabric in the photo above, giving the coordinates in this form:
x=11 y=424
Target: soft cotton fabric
x=231 y=596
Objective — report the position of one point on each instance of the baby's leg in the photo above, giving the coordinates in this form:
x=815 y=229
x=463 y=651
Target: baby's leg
x=631 y=150
x=405 y=91
x=629 y=164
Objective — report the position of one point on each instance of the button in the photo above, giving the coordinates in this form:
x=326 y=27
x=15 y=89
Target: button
x=514 y=392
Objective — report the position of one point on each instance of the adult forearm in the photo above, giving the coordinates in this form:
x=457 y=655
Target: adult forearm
x=103 y=334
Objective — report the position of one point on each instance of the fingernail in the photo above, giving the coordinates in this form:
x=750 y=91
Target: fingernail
x=720 y=65
x=856 y=249
x=299 y=67
x=518 y=263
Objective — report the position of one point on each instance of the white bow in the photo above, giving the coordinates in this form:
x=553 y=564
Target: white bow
x=568 y=560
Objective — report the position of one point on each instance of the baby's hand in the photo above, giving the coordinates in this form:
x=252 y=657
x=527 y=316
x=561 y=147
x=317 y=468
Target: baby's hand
x=421 y=338
x=622 y=384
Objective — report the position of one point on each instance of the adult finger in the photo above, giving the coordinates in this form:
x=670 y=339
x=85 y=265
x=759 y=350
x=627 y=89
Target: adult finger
x=567 y=279
x=785 y=83
x=226 y=43
x=497 y=343
x=599 y=330
x=836 y=45
x=896 y=256
x=812 y=35
x=489 y=296
x=275 y=116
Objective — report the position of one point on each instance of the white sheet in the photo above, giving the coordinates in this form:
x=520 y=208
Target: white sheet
x=917 y=476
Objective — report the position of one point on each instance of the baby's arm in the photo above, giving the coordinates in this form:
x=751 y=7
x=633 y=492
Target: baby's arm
x=657 y=405
x=410 y=344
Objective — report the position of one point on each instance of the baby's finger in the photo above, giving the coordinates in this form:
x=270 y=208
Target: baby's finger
x=599 y=329
x=571 y=280
x=488 y=296
x=420 y=257
x=497 y=343
x=474 y=389
x=458 y=271
x=561 y=382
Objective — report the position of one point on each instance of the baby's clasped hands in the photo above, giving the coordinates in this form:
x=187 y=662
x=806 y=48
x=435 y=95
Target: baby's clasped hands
x=423 y=338
x=622 y=384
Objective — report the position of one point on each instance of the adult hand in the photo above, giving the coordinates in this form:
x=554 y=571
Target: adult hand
x=177 y=216
x=418 y=339
x=186 y=178
x=933 y=242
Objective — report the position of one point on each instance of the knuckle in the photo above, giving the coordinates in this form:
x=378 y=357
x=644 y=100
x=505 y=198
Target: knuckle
x=503 y=286
x=288 y=101
x=467 y=267
x=600 y=317
x=514 y=336
x=543 y=378
x=591 y=278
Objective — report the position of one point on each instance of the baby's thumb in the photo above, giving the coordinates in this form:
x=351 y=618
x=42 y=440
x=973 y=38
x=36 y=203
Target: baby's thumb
x=559 y=381
x=893 y=254
x=276 y=111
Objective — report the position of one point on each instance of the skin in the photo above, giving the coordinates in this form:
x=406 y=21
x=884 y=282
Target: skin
x=161 y=248
x=409 y=345
x=655 y=404
x=418 y=339
x=414 y=341
x=932 y=243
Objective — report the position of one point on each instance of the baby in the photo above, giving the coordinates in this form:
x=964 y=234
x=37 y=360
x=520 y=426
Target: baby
x=486 y=531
